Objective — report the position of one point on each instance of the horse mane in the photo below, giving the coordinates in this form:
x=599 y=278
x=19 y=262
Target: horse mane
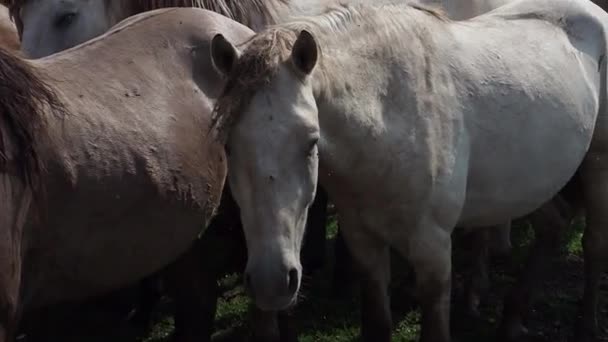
x=24 y=98
x=239 y=10
x=266 y=51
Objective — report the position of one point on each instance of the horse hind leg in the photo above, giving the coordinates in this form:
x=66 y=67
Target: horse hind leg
x=500 y=240
x=549 y=223
x=477 y=281
x=594 y=178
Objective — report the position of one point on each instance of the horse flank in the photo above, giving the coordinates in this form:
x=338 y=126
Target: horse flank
x=24 y=100
x=264 y=53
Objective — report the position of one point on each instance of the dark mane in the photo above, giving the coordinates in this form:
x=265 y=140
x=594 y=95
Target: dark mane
x=24 y=98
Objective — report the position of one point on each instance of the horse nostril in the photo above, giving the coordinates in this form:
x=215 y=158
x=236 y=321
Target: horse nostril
x=293 y=281
x=248 y=284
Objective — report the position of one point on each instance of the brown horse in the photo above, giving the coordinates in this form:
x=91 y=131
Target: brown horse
x=109 y=173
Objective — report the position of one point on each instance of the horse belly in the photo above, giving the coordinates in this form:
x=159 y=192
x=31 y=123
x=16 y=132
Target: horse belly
x=90 y=253
x=521 y=159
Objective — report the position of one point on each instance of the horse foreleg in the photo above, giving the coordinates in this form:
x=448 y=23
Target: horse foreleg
x=193 y=286
x=373 y=259
x=343 y=275
x=430 y=254
x=549 y=223
x=313 y=250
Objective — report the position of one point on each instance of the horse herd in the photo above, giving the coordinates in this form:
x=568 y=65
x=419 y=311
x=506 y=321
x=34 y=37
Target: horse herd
x=114 y=153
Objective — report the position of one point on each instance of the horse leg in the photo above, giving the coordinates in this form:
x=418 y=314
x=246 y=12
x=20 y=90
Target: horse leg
x=549 y=223
x=478 y=280
x=485 y=242
x=500 y=240
x=343 y=274
x=265 y=325
x=594 y=177
x=193 y=286
x=430 y=253
x=287 y=326
x=10 y=276
x=373 y=259
x=148 y=296
x=313 y=251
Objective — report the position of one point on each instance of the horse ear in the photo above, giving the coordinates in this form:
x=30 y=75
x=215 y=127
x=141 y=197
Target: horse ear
x=305 y=52
x=223 y=54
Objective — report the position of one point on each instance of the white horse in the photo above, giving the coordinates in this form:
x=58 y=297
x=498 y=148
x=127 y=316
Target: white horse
x=414 y=124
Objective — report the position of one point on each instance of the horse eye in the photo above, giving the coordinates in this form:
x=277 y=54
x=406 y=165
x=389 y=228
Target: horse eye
x=65 y=20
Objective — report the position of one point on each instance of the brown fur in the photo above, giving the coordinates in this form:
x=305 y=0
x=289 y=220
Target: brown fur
x=24 y=97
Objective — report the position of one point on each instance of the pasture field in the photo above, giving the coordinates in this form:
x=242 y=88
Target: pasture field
x=321 y=317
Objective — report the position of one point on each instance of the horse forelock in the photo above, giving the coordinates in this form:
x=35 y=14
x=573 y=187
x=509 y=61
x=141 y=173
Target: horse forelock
x=255 y=68
x=24 y=99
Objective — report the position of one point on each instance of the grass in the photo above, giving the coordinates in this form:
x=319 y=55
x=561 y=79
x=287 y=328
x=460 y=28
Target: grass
x=321 y=317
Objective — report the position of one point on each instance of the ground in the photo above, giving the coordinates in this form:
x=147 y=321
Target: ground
x=323 y=318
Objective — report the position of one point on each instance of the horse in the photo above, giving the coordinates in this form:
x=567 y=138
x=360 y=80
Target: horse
x=49 y=26
x=108 y=174
x=8 y=32
x=414 y=124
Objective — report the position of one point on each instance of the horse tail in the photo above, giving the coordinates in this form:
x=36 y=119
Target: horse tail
x=25 y=99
